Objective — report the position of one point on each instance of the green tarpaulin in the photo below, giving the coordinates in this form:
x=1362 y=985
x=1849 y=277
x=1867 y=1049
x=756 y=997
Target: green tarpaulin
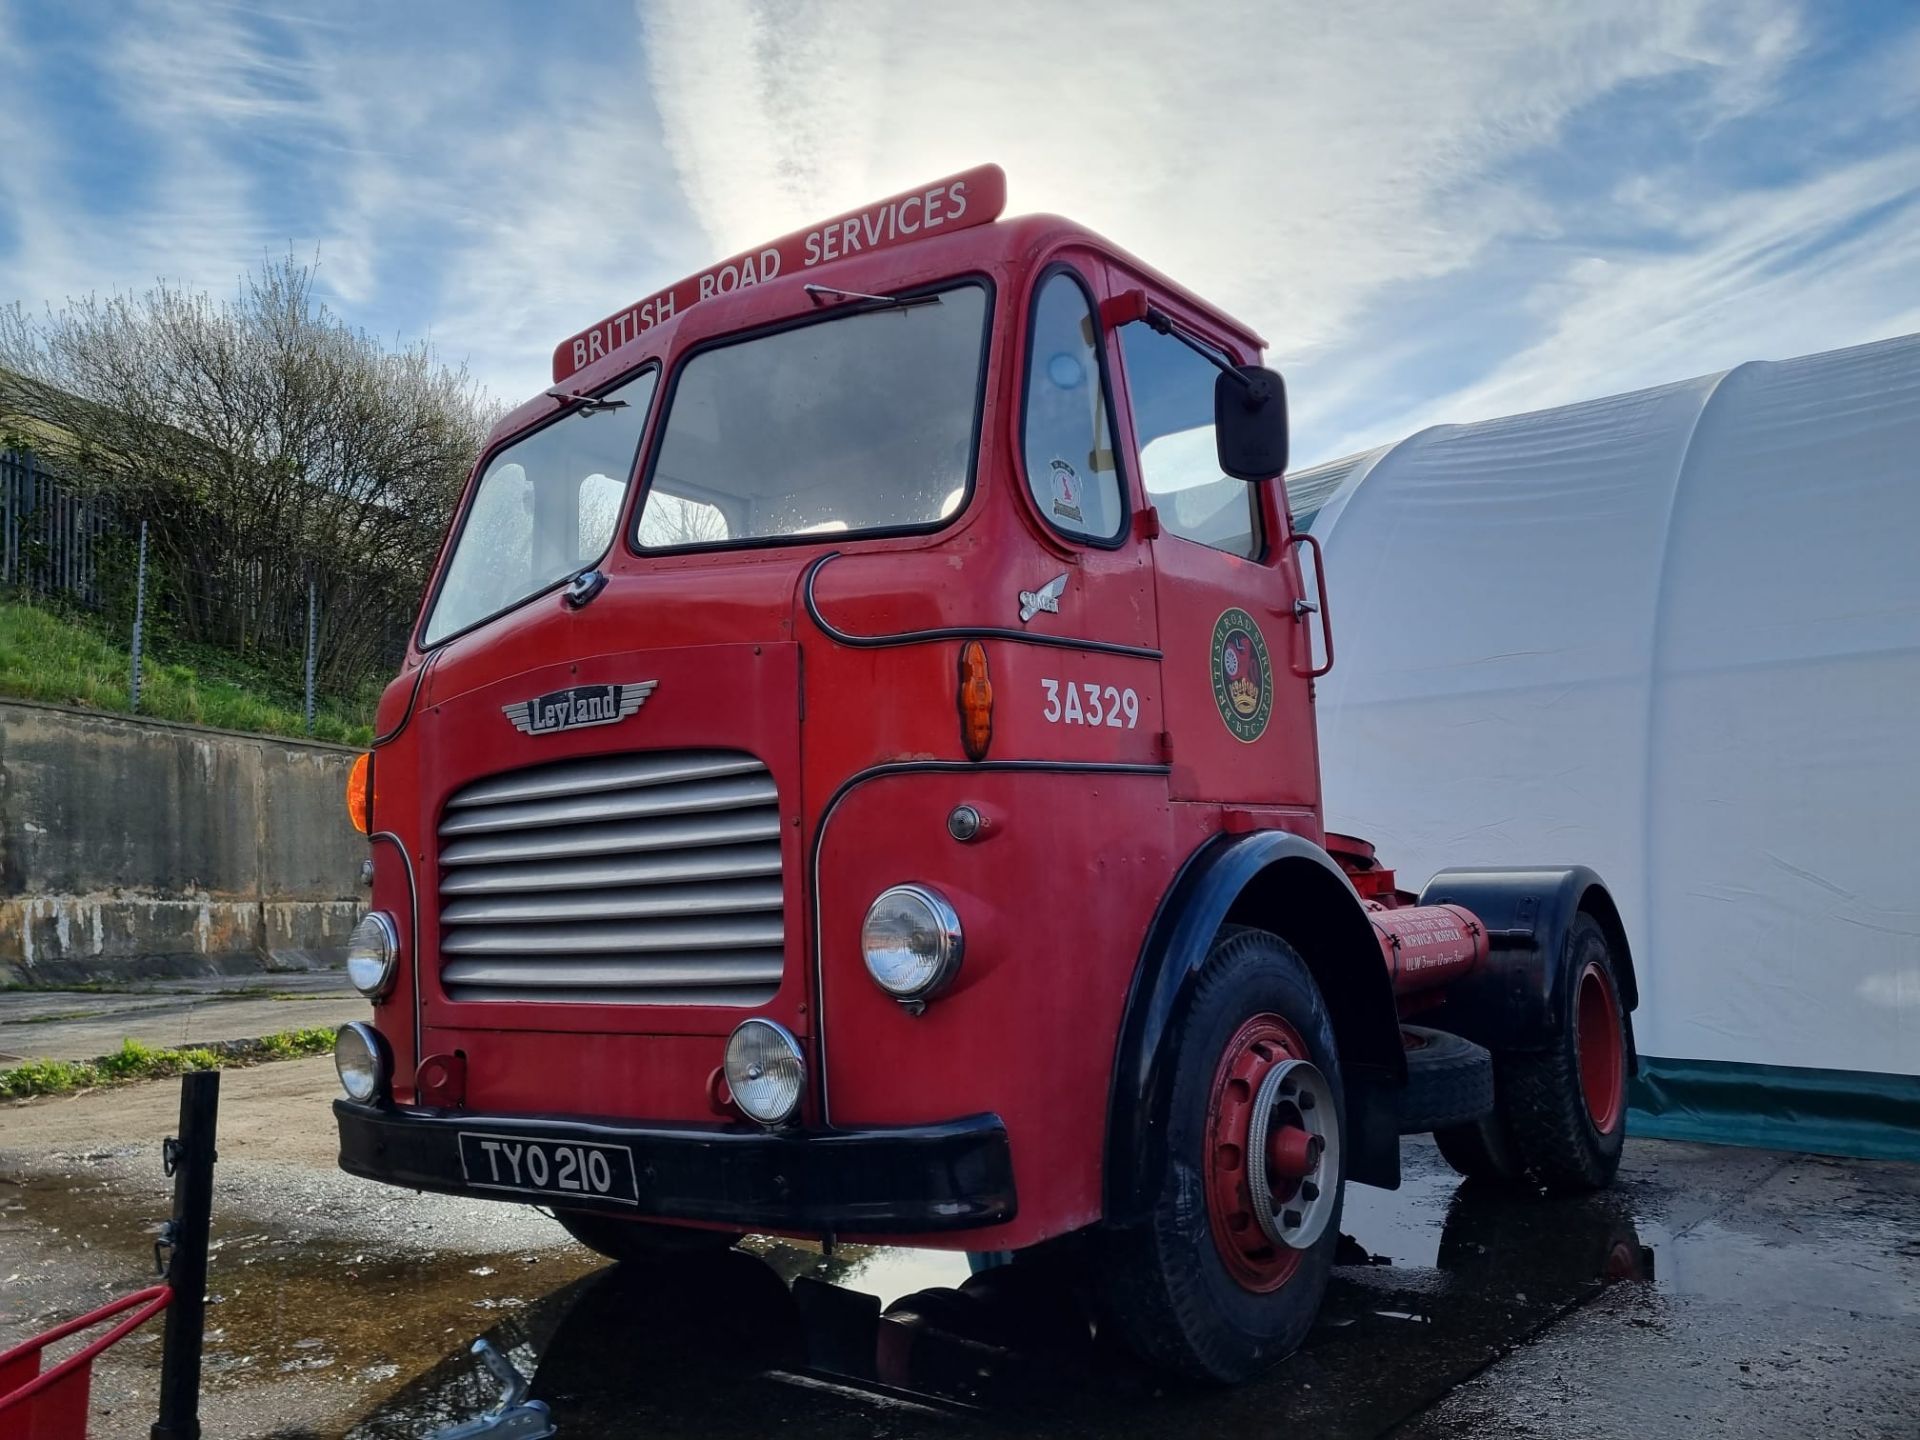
x=1778 y=1107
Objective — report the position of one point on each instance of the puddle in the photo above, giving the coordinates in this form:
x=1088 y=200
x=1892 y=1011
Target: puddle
x=864 y=1340
x=1717 y=1262
x=882 y=1272
x=893 y=1342
x=283 y=1308
x=1403 y=1225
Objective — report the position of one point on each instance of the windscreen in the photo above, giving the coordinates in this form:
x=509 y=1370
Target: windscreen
x=545 y=509
x=857 y=423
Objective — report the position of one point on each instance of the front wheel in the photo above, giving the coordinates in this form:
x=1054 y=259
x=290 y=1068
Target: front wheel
x=1226 y=1272
x=639 y=1242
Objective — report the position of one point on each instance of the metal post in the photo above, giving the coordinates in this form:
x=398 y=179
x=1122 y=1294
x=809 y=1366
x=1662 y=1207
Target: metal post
x=11 y=464
x=191 y=1160
x=313 y=642
x=139 y=618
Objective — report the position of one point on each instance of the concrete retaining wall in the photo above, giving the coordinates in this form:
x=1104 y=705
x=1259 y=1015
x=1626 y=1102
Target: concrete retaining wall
x=139 y=848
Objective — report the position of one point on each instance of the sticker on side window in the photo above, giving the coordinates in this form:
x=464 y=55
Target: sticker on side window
x=1066 y=490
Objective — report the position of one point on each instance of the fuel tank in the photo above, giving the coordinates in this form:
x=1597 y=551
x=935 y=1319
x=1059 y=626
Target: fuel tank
x=1428 y=945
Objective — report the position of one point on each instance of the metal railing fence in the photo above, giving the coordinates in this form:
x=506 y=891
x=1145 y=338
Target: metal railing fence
x=63 y=543
x=55 y=540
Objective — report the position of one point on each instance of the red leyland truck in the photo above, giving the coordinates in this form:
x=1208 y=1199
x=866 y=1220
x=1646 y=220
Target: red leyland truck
x=855 y=777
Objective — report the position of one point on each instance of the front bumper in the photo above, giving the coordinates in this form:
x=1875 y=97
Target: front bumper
x=915 y=1179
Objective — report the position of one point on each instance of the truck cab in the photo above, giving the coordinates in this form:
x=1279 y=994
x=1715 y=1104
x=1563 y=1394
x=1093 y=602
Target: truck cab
x=855 y=776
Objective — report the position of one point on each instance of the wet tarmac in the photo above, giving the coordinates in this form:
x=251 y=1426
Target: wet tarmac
x=1716 y=1291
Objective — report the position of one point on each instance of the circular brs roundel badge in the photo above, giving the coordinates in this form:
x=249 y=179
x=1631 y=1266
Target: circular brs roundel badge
x=1242 y=675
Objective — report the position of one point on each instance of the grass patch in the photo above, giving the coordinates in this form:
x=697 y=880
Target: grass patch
x=137 y=1061
x=47 y=655
x=48 y=1077
x=292 y=1044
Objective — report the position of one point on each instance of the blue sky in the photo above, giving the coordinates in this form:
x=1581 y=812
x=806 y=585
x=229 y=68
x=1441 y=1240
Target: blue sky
x=1434 y=211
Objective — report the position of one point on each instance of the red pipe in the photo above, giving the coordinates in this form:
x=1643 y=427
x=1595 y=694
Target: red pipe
x=1428 y=945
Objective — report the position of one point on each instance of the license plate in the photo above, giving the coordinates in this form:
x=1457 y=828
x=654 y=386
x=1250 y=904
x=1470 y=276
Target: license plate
x=548 y=1167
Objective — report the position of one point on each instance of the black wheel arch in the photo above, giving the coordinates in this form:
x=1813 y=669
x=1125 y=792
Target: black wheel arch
x=1517 y=1001
x=1278 y=881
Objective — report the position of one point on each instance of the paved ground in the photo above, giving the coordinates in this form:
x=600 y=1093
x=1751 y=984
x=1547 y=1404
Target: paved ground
x=84 y=1024
x=1715 y=1292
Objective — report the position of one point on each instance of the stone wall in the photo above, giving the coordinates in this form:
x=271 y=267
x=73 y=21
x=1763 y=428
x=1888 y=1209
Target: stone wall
x=134 y=848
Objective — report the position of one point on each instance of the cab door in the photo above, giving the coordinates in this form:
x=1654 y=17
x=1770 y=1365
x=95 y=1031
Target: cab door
x=1236 y=674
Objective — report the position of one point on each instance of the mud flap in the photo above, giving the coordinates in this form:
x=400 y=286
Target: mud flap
x=1515 y=1002
x=1373 y=1126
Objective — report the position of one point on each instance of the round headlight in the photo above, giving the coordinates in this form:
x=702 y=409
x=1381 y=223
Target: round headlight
x=764 y=1070
x=912 y=943
x=360 y=1055
x=373 y=951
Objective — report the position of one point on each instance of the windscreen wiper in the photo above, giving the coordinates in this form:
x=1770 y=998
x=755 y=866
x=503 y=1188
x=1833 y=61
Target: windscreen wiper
x=589 y=404
x=820 y=293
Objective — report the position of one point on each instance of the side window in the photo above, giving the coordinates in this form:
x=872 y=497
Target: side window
x=599 y=507
x=1172 y=393
x=1068 y=434
x=672 y=520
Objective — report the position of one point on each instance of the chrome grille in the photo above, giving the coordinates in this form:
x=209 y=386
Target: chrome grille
x=649 y=879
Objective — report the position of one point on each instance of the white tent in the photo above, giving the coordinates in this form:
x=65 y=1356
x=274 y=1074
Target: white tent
x=1674 y=635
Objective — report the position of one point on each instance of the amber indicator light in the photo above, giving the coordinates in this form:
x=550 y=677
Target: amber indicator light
x=360 y=793
x=976 y=701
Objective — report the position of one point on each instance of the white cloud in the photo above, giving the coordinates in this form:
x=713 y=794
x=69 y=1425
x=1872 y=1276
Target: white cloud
x=186 y=79
x=586 y=221
x=508 y=196
x=1768 y=274
x=1289 y=161
x=1301 y=164
x=1307 y=166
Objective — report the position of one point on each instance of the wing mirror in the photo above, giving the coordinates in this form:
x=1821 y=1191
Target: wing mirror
x=1249 y=401
x=1250 y=421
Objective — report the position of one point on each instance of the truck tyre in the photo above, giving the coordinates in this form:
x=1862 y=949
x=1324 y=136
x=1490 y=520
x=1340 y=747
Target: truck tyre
x=636 y=1242
x=1564 y=1109
x=1449 y=1081
x=1226 y=1271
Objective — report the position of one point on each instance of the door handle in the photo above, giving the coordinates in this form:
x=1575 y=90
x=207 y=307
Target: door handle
x=1302 y=608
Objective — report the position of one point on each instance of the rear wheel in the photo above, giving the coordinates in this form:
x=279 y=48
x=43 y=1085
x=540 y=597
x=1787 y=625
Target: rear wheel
x=1564 y=1109
x=1227 y=1271
x=638 y=1242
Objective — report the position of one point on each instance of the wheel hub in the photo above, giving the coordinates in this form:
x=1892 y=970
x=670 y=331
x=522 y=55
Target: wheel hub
x=1602 y=1051
x=1292 y=1115
x=1273 y=1158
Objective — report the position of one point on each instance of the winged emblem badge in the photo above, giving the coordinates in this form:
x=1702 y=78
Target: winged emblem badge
x=579 y=706
x=1046 y=598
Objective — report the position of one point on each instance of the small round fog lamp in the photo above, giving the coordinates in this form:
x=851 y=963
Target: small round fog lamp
x=360 y=1055
x=765 y=1071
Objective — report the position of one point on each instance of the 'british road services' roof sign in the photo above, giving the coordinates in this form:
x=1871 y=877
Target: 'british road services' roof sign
x=973 y=197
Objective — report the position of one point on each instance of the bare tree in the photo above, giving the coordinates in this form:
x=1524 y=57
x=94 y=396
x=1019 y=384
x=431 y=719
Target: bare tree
x=667 y=519
x=268 y=442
